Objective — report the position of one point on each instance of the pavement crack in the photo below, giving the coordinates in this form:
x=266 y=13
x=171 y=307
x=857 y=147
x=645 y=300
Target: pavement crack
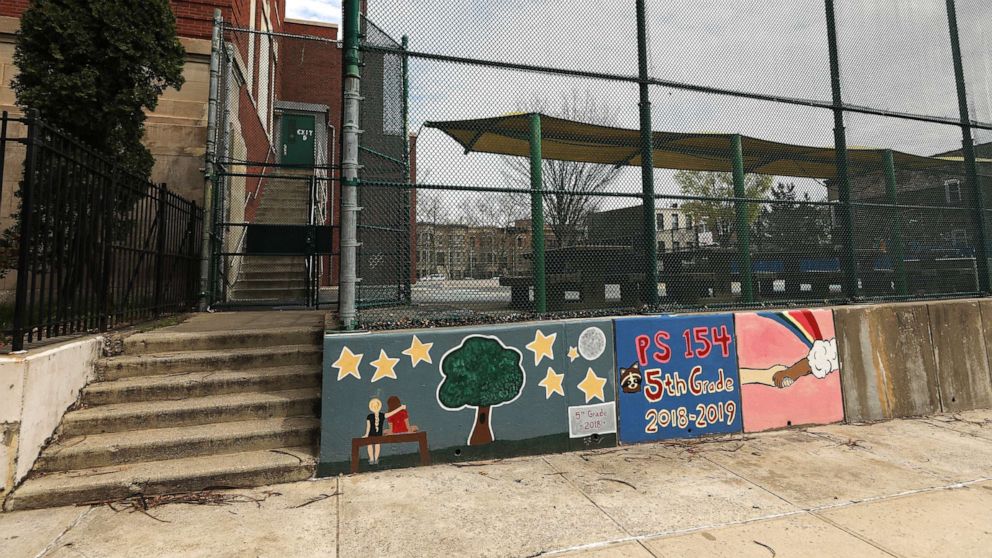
x=58 y=538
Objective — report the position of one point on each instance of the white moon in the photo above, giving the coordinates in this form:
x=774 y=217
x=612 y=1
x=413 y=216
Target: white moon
x=592 y=343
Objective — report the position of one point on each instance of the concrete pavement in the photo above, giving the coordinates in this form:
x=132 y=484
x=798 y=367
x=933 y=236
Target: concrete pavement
x=920 y=487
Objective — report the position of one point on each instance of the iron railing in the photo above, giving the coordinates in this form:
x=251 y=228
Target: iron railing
x=96 y=248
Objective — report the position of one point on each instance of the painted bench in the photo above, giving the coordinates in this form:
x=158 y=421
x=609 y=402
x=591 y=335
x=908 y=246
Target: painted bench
x=407 y=437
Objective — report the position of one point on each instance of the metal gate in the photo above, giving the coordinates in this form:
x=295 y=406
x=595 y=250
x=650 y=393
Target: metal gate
x=275 y=234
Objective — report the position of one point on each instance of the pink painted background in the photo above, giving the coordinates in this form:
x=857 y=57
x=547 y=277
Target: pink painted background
x=763 y=343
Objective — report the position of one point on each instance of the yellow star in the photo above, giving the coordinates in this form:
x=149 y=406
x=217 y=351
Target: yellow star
x=384 y=367
x=552 y=383
x=542 y=346
x=419 y=352
x=347 y=364
x=573 y=354
x=592 y=386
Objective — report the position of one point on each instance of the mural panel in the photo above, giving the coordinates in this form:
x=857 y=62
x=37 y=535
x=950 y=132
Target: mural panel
x=407 y=398
x=789 y=370
x=676 y=377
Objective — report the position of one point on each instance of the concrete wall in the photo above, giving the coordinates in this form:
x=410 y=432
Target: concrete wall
x=36 y=388
x=915 y=358
x=550 y=385
x=675 y=376
x=176 y=132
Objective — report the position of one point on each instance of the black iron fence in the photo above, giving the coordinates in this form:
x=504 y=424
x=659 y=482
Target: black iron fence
x=94 y=247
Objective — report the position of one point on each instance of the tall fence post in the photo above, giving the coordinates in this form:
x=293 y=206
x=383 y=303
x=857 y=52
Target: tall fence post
x=407 y=254
x=849 y=262
x=107 y=239
x=982 y=248
x=650 y=225
x=209 y=185
x=537 y=214
x=163 y=193
x=743 y=227
x=24 y=243
x=895 y=224
x=349 y=164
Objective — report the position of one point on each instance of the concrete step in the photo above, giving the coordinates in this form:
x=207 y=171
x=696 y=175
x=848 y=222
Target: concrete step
x=260 y=272
x=168 y=341
x=129 y=366
x=251 y=292
x=200 y=384
x=288 y=281
x=121 y=417
x=119 y=448
x=236 y=470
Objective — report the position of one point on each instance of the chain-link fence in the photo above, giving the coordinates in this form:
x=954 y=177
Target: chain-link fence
x=800 y=153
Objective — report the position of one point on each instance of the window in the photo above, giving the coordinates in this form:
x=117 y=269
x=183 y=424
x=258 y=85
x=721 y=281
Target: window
x=660 y=220
x=661 y=246
x=676 y=245
x=688 y=221
x=952 y=191
x=675 y=221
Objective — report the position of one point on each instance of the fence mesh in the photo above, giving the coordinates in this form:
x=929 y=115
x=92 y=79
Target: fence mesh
x=466 y=225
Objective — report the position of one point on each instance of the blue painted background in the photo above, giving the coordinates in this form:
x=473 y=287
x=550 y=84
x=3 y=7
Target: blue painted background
x=535 y=422
x=636 y=411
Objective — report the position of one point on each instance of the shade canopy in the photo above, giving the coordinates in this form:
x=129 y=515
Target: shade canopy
x=570 y=140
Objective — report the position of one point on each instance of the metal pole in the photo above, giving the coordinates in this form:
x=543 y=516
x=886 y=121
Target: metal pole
x=743 y=227
x=211 y=155
x=982 y=248
x=163 y=193
x=895 y=224
x=24 y=269
x=349 y=164
x=537 y=214
x=650 y=226
x=849 y=263
x=407 y=258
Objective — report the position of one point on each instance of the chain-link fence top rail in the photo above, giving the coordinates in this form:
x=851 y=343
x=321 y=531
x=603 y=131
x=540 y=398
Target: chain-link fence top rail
x=892 y=229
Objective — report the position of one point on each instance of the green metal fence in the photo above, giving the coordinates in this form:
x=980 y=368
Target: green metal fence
x=456 y=232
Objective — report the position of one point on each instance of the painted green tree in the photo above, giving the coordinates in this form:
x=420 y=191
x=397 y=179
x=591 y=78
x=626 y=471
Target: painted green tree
x=481 y=373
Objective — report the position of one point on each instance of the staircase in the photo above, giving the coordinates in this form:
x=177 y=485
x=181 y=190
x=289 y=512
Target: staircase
x=196 y=406
x=276 y=279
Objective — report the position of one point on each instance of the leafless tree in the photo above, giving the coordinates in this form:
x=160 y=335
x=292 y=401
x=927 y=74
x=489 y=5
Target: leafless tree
x=493 y=222
x=568 y=201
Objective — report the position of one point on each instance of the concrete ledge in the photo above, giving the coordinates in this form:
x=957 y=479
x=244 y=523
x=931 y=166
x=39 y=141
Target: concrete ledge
x=961 y=355
x=888 y=361
x=36 y=388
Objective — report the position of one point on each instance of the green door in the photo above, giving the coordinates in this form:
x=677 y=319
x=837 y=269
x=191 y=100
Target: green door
x=298 y=139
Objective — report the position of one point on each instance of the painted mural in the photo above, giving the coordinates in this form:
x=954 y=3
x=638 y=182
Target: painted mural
x=396 y=399
x=789 y=370
x=677 y=377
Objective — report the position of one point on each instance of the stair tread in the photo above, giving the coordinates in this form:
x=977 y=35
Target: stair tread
x=152 y=336
x=119 y=480
x=189 y=404
x=207 y=354
x=186 y=378
x=184 y=434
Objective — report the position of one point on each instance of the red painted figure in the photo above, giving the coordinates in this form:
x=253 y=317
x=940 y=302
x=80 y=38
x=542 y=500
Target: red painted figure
x=398 y=417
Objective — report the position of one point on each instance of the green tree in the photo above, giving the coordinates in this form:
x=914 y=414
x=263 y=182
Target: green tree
x=790 y=222
x=482 y=373
x=719 y=215
x=92 y=67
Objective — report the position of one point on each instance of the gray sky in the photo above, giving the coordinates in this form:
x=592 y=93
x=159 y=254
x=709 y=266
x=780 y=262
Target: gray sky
x=895 y=54
x=314 y=10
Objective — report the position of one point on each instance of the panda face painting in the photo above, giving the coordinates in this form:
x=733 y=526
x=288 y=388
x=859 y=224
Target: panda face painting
x=630 y=379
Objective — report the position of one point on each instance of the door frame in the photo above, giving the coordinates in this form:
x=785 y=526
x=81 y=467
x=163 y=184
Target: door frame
x=320 y=123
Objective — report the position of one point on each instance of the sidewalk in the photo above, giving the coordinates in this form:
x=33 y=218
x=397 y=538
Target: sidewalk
x=918 y=487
